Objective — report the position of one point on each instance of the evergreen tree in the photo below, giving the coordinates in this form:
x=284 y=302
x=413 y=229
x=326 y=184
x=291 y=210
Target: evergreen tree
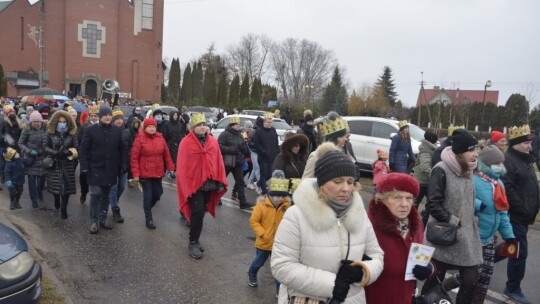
x=186 y=93
x=164 y=93
x=268 y=93
x=386 y=84
x=222 y=100
x=174 y=82
x=244 y=89
x=256 y=94
x=335 y=95
x=197 y=81
x=517 y=110
x=210 y=88
x=234 y=92
x=3 y=82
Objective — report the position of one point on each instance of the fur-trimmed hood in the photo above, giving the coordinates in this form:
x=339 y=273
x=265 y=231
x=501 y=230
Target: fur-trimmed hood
x=289 y=143
x=383 y=219
x=72 y=126
x=319 y=215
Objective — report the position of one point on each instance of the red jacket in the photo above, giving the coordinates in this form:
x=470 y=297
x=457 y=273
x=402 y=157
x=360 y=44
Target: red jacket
x=197 y=164
x=150 y=156
x=391 y=287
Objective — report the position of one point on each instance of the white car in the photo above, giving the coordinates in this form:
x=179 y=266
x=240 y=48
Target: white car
x=279 y=124
x=371 y=133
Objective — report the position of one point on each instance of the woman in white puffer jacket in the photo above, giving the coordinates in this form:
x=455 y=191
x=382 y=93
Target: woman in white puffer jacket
x=325 y=247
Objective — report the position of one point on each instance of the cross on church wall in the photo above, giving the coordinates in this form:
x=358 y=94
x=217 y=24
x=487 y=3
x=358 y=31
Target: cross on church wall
x=92 y=35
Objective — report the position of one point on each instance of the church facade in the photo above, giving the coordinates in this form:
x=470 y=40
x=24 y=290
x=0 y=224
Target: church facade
x=86 y=44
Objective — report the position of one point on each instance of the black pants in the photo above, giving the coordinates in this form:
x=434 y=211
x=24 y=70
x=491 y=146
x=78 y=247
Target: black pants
x=83 y=180
x=238 y=174
x=467 y=274
x=423 y=192
x=197 y=204
x=265 y=167
x=15 y=193
x=62 y=199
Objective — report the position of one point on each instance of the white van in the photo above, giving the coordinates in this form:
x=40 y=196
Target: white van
x=371 y=133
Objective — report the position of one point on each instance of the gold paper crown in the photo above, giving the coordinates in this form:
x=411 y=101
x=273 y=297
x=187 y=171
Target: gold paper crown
x=74 y=154
x=515 y=132
x=93 y=109
x=279 y=185
x=294 y=184
x=234 y=119
x=333 y=126
x=268 y=115
x=402 y=123
x=197 y=118
x=244 y=135
x=452 y=128
x=155 y=106
x=10 y=152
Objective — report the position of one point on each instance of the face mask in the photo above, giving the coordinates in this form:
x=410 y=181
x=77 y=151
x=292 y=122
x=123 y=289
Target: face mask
x=61 y=127
x=497 y=170
x=158 y=119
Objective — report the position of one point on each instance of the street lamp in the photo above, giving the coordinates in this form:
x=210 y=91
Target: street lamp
x=486 y=85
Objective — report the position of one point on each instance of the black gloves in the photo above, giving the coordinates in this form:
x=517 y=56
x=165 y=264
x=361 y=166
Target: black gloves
x=63 y=154
x=346 y=275
x=422 y=272
x=482 y=207
x=510 y=240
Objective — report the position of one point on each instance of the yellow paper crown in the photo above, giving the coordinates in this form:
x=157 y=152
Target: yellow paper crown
x=234 y=119
x=279 y=185
x=294 y=184
x=402 y=123
x=330 y=127
x=268 y=115
x=515 y=132
x=452 y=128
x=197 y=118
x=244 y=135
x=74 y=154
x=10 y=152
x=93 y=109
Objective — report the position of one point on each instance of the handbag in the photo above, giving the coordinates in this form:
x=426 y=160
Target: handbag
x=436 y=295
x=443 y=234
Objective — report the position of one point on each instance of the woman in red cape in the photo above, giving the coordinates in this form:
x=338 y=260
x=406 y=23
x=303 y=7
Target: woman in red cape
x=200 y=180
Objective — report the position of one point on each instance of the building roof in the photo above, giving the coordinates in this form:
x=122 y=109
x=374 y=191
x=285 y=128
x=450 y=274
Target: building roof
x=4 y=4
x=458 y=97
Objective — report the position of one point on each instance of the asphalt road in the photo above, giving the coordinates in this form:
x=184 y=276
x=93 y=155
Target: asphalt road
x=132 y=264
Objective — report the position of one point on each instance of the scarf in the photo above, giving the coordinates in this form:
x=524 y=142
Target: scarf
x=339 y=208
x=451 y=161
x=403 y=227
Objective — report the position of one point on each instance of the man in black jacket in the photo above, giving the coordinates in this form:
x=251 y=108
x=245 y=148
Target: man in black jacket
x=103 y=156
x=267 y=147
x=522 y=192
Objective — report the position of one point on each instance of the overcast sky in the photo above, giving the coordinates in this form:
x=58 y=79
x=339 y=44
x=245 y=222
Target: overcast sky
x=456 y=43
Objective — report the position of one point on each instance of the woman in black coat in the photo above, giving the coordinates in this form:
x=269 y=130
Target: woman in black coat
x=293 y=156
x=62 y=145
x=173 y=132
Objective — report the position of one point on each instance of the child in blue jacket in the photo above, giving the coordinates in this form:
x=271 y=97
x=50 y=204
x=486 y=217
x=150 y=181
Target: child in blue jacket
x=14 y=174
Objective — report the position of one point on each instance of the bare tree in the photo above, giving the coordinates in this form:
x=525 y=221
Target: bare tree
x=302 y=69
x=250 y=56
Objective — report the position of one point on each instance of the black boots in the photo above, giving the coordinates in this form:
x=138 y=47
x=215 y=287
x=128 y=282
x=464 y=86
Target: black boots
x=57 y=202
x=117 y=217
x=83 y=199
x=63 y=213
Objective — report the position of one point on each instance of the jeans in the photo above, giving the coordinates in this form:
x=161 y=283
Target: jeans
x=238 y=174
x=516 y=267
x=152 y=191
x=118 y=189
x=35 y=187
x=265 y=167
x=197 y=204
x=260 y=258
x=423 y=192
x=468 y=276
x=255 y=173
x=99 y=203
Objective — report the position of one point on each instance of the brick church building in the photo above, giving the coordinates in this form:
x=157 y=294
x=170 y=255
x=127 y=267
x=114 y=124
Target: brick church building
x=85 y=43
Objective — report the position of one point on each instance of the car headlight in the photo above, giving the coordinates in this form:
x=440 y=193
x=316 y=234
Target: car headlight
x=16 y=267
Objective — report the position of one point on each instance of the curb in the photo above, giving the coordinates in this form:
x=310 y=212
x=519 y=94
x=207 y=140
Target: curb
x=46 y=270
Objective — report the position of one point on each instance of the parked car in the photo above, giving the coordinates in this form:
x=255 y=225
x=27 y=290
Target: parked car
x=209 y=114
x=167 y=110
x=254 y=112
x=20 y=275
x=280 y=125
x=127 y=110
x=371 y=133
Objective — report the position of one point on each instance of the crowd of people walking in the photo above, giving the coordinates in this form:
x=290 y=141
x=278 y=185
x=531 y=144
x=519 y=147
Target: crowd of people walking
x=309 y=218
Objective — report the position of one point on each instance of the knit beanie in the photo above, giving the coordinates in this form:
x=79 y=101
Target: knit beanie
x=491 y=155
x=463 y=141
x=116 y=114
x=431 y=137
x=248 y=124
x=400 y=182
x=279 y=185
x=104 y=110
x=156 y=112
x=149 y=122
x=496 y=136
x=333 y=164
x=308 y=116
x=35 y=116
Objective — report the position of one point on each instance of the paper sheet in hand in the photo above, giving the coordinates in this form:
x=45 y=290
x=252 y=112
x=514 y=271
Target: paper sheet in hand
x=419 y=254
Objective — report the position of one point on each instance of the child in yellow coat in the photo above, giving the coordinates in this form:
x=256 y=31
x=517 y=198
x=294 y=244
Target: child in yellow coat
x=265 y=220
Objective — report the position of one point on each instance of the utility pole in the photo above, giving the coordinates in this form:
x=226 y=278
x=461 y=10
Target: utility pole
x=423 y=92
x=41 y=43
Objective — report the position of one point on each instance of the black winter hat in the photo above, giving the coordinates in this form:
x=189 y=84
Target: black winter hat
x=333 y=164
x=104 y=110
x=463 y=141
x=431 y=137
x=308 y=117
x=156 y=112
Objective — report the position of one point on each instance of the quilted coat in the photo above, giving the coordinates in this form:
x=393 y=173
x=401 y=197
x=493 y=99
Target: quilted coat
x=32 y=139
x=311 y=241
